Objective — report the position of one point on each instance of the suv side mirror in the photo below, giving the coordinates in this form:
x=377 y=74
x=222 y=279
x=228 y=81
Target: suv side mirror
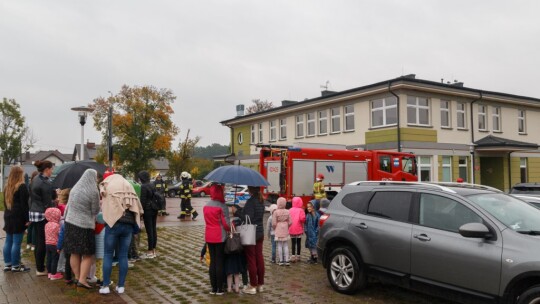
x=474 y=230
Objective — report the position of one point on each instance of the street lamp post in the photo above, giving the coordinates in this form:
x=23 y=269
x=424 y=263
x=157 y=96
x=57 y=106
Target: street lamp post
x=83 y=113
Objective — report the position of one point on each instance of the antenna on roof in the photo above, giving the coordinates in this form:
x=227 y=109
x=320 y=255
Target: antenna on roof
x=325 y=87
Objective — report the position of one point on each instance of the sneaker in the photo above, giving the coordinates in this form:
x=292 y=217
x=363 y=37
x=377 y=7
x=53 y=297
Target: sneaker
x=33 y=248
x=20 y=268
x=57 y=276
x=281 y=263
x=130 y=265
x=7 y=268
x=92 y=280
x=260 y=288
x=104 y=290
x=273 y=261
x=147 y=256
x=212 y=292
x=219 y=293
x=165 y=213
x=39 y=273
x=287 y=263
x=28 y=246
x=250 y=290
x=119 y=289
x=114 y=264
x=49 y=276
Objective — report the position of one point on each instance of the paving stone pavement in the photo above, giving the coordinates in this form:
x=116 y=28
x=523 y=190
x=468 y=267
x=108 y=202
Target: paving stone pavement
x=177 y=276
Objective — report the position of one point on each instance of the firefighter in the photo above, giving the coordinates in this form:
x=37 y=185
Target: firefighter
x=185 y=196
x=318 y=190
x=161 y=188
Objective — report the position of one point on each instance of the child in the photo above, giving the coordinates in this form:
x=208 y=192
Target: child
x=270 y=229
x=63 y=197
x=312 y=232
x=52 y=229
x=298 y=218
x=281 y=221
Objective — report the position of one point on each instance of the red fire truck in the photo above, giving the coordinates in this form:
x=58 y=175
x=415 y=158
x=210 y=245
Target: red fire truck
x=291 y=171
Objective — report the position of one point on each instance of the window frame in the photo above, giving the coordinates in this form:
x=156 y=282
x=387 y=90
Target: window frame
x=482 y=117
x=496 y=119
x=418 y=109
x=299 y=126
x=463 y=165
x=320 y=121
x=348 y=117
x=273 y=130
x=446 y=111
x=522 y=122
x=447 y=166
x=422 y=166
x=260 y=132
x=385 y=108
x=335 y=120
x=253 y=135
x=283 y=129
x=311 y=123
x=461 y=112
x=523 y=174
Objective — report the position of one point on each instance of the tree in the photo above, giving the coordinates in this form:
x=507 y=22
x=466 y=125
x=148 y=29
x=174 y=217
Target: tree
x=12 y=131
x=181 y=159
x=259 y=106
x=141 y=124
x=210 y=151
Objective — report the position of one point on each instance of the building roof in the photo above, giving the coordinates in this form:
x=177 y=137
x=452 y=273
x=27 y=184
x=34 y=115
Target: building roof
x=491 y=142
x=395 y=84
x=90 y=151
x=41 y=155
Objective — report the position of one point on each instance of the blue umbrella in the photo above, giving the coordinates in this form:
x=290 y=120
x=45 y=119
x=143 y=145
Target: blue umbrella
x=237 y=175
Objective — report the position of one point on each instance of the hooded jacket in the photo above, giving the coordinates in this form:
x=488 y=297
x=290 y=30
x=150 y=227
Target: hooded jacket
x=281 y=221
x=147 y=190
x=83 y=202
x=216 y=217
x=118 y=196
x=298 y=217
x=52 y=228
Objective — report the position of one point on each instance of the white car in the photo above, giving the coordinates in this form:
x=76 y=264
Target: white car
x=237 y=195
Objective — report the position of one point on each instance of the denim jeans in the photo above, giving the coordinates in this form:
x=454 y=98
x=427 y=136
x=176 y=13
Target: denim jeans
x=273 y=241
x=12 y=249
x=119 y=234
x=52 y=259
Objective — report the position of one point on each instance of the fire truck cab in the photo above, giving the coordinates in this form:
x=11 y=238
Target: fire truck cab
x=291 y=171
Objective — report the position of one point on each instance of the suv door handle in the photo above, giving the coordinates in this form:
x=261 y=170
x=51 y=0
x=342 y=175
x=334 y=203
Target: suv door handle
x=422 y=237
x=362 y=226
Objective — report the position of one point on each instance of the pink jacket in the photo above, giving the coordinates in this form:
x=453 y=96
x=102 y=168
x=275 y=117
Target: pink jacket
x=298 y=217
x=281 y=220
x=52 y=228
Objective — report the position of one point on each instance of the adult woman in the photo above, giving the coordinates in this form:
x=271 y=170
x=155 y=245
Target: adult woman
x=122 y=215
x=216 y=217
x=15 y=219
x=41 y=196
x=150 y=214
x=80 y=219
x=254 y=208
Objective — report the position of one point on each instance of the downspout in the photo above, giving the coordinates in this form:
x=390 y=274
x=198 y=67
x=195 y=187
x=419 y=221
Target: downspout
x=473 y=179
x=232 y=140
x=398 y=121
x=509 y=172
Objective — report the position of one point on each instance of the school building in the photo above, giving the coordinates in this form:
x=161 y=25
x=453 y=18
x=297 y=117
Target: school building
x=481 y=136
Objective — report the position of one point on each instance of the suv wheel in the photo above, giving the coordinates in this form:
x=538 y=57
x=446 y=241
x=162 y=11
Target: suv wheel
x=530 y=295
x=345 y=271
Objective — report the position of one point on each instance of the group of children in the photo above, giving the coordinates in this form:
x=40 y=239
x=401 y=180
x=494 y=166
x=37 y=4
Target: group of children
x=284 y=225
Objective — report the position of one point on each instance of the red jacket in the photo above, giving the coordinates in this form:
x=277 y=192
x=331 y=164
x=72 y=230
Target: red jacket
x=216 y=217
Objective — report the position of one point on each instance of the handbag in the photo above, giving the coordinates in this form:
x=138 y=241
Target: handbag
x=233 y=244
x=247 y=232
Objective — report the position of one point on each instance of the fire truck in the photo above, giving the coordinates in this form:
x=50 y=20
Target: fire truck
x=291 y=171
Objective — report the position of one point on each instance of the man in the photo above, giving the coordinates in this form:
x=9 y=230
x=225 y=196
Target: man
x=185 y=197
x=318 y=190
x=161 y=188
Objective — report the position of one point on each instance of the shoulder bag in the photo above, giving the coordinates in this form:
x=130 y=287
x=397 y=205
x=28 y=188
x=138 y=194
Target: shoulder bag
x=247 y=232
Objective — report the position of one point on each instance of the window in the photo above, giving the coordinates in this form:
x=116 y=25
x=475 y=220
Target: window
x=463 y=170
x=482 y=126
x=417 y=111
x=445 y=114
x=384 y=112
x=273 y=130
x=336 y=120
x=447 y=168
x=310 y=120
x=349 y=118
x=523 y=169
x=323 y=122
x=424 y=166
x=385 y=163
x=283 y=129
x=260 y=133
x=440 y=212
x=356 y=201
x=522 y=126
x=252 y=139
x=240 y=138
x=391 y=205
x=299 y=126
x=461 y=116
x=496 y=119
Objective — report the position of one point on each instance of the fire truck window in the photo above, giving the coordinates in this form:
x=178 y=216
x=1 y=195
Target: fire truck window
x=385 y=163
x=356 y=201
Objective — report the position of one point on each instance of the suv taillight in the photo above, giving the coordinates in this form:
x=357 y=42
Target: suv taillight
x=323 y=219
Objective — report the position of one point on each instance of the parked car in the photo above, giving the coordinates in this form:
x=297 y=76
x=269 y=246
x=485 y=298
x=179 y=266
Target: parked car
x=202 y=191
x=174 y=190
x=237 y=195
x=467 y=243
x=531 y=189
x=197 y=183
x=533 y=200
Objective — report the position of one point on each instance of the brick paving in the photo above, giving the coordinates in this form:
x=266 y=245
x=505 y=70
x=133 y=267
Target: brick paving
x=177 y=276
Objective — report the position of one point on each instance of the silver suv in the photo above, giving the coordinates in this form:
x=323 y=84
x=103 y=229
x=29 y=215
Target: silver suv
x=468 y=243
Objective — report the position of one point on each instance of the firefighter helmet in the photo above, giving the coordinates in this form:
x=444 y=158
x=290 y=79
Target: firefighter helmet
x=320 y=176
x=184 y=174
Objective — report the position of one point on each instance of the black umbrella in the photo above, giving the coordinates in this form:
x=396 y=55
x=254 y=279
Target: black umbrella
x=72 y=172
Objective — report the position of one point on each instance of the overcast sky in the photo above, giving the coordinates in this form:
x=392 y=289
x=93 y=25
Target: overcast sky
x=55 y=55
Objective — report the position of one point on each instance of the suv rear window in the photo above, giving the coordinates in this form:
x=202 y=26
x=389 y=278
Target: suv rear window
x=357 y=201
x=394 y=205
x=526 y=190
